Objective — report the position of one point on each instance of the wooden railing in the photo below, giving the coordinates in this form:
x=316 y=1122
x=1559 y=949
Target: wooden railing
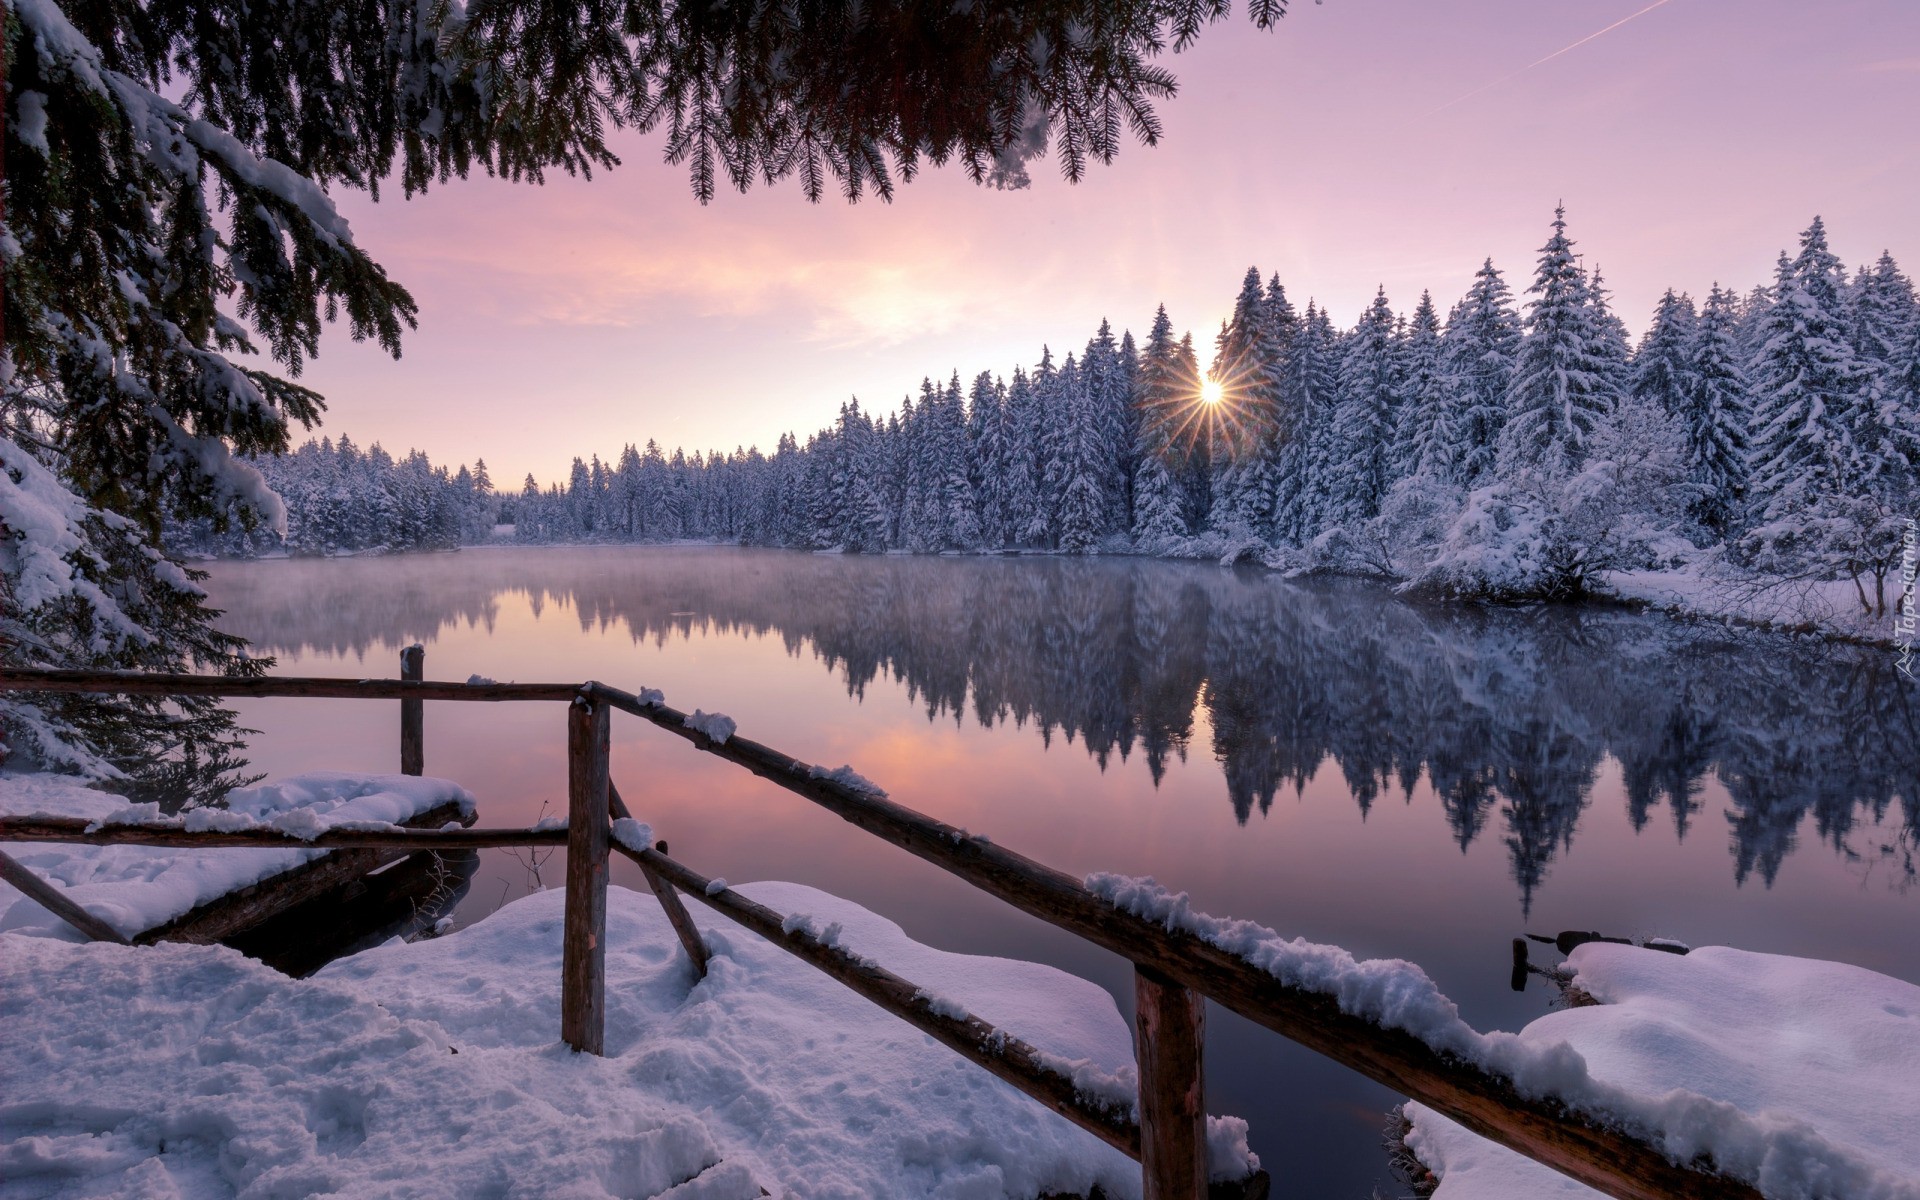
x=1174 y=971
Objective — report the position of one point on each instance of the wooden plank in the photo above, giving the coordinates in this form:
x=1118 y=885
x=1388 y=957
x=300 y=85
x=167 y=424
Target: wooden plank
x=75 y=829
x=677 y=915
x=583 y=959
x=1169 y=1038
x=56 y=902
x=1590 y=1148
x=413 y=713
x=1006 y=1056
x=318 y=687
x=237 y=911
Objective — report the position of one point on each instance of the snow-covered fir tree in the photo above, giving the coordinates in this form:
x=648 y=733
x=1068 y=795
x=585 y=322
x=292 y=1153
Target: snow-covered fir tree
x=1809 y=386
x=1246 y=422
x=1661 y=365
x=1717 y=415
x=1480 y=346
x=1365 y=415
x=1566 y=377
x=1426 y=441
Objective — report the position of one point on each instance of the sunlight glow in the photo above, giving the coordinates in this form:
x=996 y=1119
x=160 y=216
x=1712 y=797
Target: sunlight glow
x=1211 y=391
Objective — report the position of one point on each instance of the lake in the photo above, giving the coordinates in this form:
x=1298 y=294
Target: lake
x=1423 y=782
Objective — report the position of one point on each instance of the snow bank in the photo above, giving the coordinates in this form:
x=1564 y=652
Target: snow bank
x=135 y=888
x=1830 y=605
x=1795 y=1045
x=432 y=1069
x=1689 y=1114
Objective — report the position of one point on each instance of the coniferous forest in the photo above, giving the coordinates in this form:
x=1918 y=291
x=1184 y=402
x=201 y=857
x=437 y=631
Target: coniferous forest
x=1516 y=446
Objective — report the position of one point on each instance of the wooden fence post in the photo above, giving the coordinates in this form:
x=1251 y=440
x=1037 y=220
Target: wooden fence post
x=413 y=743
x=583 y=966
x=1168 y=1040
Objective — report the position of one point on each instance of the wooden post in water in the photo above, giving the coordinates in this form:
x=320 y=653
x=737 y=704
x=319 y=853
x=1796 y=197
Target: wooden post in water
x=413 y=736
x=583 y=961
x=1168 y=1040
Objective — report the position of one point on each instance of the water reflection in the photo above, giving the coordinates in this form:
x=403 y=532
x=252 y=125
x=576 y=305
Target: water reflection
x=1510 y=714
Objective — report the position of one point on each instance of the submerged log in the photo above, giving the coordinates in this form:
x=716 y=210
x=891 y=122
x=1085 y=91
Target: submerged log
x=226 y=916
x=397 y=900
x=1619 y=1162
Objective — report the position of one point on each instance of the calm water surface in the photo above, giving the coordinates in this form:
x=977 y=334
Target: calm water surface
x=1412 y=782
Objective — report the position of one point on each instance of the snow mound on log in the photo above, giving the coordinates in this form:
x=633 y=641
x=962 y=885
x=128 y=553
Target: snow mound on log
x=135 y=888
x=717 y=726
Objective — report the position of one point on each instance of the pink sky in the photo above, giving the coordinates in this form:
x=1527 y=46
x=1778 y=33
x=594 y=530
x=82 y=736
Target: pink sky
x=1689 y=145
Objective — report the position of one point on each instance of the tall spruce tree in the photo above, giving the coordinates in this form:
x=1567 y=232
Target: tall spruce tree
x=1717 y=416
x=1565 y=380
x=1164 y=407
x=1426 y=442
x=1314 y=452
x=1366 y=411
x=1247 y=365
x=1661 y=365
x=1481 y=344
x=1808 y=386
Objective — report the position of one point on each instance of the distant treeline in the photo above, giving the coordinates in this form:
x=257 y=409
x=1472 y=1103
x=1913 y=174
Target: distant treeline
x=1486 y=453
x=344 y=500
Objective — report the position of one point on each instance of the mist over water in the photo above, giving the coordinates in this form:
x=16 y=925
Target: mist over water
x=1420 y=782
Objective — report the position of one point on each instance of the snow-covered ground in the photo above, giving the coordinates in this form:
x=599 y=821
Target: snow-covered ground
x=1805 y=1049
x=135 y=888
x=434 y=1069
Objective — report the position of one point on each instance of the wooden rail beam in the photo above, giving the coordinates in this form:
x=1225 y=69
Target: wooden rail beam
x=583 y=958
x=677 y=915
x=131 y=683
x=413 y=714
x=1617 y=1161
x=78 y=829
x=1004 y=1055
x=57 y=902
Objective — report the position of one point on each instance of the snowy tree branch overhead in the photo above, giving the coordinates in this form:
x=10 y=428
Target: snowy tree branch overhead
x=169 y=158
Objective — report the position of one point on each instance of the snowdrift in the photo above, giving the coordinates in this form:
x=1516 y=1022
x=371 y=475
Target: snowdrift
x=434 y=1069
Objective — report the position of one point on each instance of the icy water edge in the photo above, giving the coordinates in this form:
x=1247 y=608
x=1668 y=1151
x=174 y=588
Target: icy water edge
x=1417 y=782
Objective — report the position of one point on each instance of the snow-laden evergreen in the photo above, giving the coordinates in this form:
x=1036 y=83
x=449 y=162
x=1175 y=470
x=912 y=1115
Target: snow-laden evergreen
x=1563 y=384
x=1714 y=405
x=1776 y=434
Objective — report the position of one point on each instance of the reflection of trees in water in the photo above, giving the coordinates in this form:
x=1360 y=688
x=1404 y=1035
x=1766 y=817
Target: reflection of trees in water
x=1504 y=711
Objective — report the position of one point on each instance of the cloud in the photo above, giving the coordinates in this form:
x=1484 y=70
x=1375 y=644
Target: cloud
x=1891 y=64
